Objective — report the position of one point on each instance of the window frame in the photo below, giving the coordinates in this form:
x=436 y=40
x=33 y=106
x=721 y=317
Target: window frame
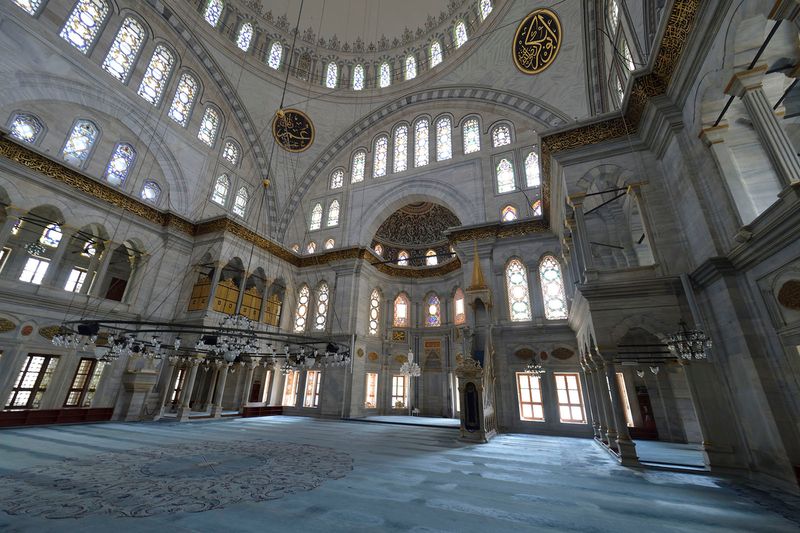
x=86 y=387
x=311 y=395
x=529 y=378
x=396 y=379
x=36 y=387
x=371 y=390
x=293 y=382
x=570 y=404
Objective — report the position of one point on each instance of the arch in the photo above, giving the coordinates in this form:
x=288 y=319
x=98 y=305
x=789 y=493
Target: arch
x=322 y=300
x=551 y=276
x=401 y=315
x=517 y=290
x=232 y=152
x=210 y=125
x=502 y=133
x=301 y=309
x=400 y=135
x=433 y=310
x=26 y=127
x=125 y=49
x=275 y=57
x=459 y=307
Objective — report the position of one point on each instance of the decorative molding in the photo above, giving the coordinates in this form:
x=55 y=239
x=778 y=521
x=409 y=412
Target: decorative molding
x=6 y=325
x=499 y=230
x=789 y=294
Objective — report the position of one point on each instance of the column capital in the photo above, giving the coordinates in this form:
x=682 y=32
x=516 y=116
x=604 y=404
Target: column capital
x=714 y=134
x=746 y=80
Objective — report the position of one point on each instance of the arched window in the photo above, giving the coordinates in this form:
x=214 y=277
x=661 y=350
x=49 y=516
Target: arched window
x=79 y=143
x=311 y=248
x=213 y=12
x=321 y=312
x=358 y=77
x=459 y=311
x=126 y=45
x=379 y=158
x=84 y=22
x=486 y=8
x=337 y=179
x=30 y=6
x=532 y=177
x=444 y=141
x=378 y=250
x=26 y=128
x=519 y=302
x=275 y=55
x=400 y=148
x=301 y=312
x=333 y=214
x=331 y=75
x=460 y=34
x=231 y=153
x=209 y=126
x=430 y=258
x=421 y=144
x=505 y=176
x=612 y=15
x=51 y=235
x=245 y=37
x=402 y=310
x=184 y=100
x=555 y=301
x=508 y=214
x=411 y=67
x=359 y=163
x=156 y=75
x=329 y=244
x=471 y=131
x=240 y=202
x=221 y=188
x=316 y=217
x=433 y=312
x=374 y=311
x=151 y=192
x=501 y=136
x=436 y=53
x=402 y=258
x=537 y=208
x=120 y=164
x=385 y=76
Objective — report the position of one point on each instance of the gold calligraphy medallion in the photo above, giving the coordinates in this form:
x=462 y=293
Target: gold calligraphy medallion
x=293 y=130
x=537 y=41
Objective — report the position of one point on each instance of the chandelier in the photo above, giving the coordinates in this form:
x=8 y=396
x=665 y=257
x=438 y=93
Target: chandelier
x=534 y=367
x=688 y=343
x=410 y=368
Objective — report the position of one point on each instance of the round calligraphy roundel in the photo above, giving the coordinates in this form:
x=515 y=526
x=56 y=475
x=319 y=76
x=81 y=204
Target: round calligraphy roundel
x=293 y=130
x=537 y=41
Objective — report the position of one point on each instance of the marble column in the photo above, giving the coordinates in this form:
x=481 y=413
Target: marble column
x=582 y=236
x=168 y=386
x=50 y=276
x=105 y=261
x=593 y=413
x=12 y=217
x=602 y=429
x=625 y=445
x=605 y=399
x=248 y=383
x=210 y=392
x=748 y=86
x=186 y=394
x=213 y=289
x=222 y=376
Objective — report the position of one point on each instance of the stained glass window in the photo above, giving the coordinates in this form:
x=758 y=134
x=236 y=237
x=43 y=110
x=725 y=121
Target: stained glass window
x=221 y=187
x=333 y=214
x=613 y=15
x=359 y=163
x=537 y=208
x=275 y=55
x=436 y=53
x=120 y=164
x=84 y=22
x=486 y=8
x=402 y=258
x=184 y=100
x=532 y=176
x=430 y=258
x=460 y=33
x=400 y=148
x=151 y=192
x=80 y=142
x=358 y=77
x=459 y=311
x=300 y=314
x=331 y=75
x=245 y=36
x=472 y=136
x=329 y=244
x=444 y=142
x=30 y=6
x=374 y=311
x=401 y=311
x=385 y=75
x=555 y=301
x=51 y=235
x=26 y=128
x=421 y=144
x=433 y=314
x=240 y=202
x=322 y=301
x=501 y=136
x=519 y=302
x=337 y=179
x=411 y=67
x=213 y=12
x=379 y=159
x=508 y=214
x=316 y=217
x=156 y=75
x=505 y=176
x=311 y=248
x=231 y=153
x=209 y=126
x=378 y=250
x=126 y=45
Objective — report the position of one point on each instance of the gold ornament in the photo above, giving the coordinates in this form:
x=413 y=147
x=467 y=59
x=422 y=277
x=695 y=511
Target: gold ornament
x=537 y=41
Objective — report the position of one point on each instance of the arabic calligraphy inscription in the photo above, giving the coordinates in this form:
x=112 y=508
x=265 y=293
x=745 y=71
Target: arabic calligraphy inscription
x=537 y=41
x=293 y=130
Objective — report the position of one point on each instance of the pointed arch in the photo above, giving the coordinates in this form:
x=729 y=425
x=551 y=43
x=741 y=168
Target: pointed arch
x=519 y=302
